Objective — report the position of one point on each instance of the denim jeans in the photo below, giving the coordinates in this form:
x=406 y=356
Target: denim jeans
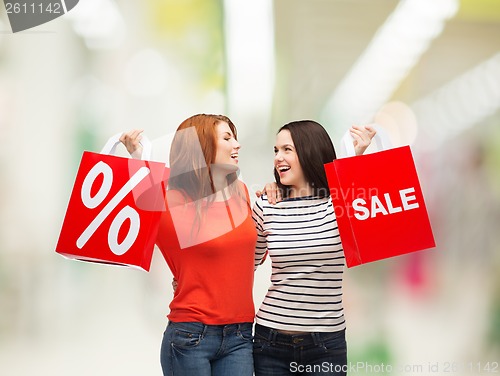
x=196 y=349
x=315 y=353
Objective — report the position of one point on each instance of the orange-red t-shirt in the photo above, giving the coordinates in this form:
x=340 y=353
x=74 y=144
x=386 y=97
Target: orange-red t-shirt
x=212 y=260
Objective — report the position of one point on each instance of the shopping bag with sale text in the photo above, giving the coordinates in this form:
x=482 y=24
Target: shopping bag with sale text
x=114 y=209
x=379 y=205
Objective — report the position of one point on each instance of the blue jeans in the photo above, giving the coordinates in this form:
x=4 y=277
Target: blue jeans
x=315 y=353
x=196 y=349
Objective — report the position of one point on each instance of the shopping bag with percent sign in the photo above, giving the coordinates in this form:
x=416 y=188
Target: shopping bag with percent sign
x=378 y=203
x=114 y=209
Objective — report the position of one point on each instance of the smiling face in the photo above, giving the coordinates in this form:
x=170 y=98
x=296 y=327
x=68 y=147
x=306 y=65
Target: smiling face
x=227 y=146
x=287 y=165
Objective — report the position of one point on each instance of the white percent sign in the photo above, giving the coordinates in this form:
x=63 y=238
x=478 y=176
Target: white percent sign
x=125 y=213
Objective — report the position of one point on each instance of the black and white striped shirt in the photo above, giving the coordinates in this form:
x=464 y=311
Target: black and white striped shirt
x=302 y=239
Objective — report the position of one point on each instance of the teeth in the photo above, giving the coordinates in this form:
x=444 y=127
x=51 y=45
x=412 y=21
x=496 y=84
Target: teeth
x=283 y=168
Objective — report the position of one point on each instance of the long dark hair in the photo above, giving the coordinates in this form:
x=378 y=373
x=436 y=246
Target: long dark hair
x=314 y=148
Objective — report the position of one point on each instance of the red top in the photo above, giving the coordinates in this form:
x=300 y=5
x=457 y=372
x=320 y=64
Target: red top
x=213 y=264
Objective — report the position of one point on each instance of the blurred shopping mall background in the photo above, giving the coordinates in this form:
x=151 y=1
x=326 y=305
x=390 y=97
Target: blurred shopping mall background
x=427 y=70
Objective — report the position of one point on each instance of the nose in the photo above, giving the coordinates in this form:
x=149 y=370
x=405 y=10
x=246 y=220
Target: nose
x=278 y=157
x=236 y=145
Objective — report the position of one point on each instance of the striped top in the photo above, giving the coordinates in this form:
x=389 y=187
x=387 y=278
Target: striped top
x=302 y=239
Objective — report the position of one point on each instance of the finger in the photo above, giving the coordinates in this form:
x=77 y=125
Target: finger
x=356 y=133
x=357 y=136
x=271 y=193
x=131 y=140
x=279 y=196
x=135 y=135
x=130 y=135
x=258 y=194
x=363 y=128
x=357 y=127
x=361 y=144
x=125 y=136
x=360 y=129
x=371 y=131
x=366 y=133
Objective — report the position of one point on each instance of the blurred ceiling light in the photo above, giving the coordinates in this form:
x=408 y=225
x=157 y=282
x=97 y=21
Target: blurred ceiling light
x=146 y=73
x=460 y=104
x=99 y=23
x=394 y=50
x=249 y=40
x=399 y=121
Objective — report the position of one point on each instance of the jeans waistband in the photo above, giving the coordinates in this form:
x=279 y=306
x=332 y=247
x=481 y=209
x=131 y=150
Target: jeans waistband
x=311 y=338
x=199 y=327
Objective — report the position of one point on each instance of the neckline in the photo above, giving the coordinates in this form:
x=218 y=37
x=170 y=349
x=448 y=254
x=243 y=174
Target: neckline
x=311 y=197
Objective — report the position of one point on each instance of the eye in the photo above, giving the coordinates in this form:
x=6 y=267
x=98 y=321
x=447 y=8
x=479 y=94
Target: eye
x=275 y=150
x=288 y=149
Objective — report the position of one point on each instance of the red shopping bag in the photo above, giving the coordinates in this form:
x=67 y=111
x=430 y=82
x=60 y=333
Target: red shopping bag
x=114 y=209
x=379 y=205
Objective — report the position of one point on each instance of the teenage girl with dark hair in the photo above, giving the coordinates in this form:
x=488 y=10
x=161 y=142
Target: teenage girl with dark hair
x=300 y=326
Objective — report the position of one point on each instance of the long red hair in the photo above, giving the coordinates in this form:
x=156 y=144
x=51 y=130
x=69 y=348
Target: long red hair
x=193 y=151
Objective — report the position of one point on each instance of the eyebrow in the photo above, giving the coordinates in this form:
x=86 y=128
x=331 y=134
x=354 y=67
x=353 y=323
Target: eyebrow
x=227 y=133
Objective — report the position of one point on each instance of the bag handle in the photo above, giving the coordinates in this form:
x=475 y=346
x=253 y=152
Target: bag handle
x=110 y=146
x=381 y=138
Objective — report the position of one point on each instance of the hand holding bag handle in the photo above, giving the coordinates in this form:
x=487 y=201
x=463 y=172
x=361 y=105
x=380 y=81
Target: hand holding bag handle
x=381 y=138
x=110 y=146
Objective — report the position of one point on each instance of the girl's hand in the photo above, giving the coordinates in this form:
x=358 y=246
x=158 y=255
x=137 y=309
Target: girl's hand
x=132 y=141
x=272 y=191
x=362 y=135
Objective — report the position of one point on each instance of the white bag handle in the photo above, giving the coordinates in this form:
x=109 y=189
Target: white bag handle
x=381 y=138
x=110 y=146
